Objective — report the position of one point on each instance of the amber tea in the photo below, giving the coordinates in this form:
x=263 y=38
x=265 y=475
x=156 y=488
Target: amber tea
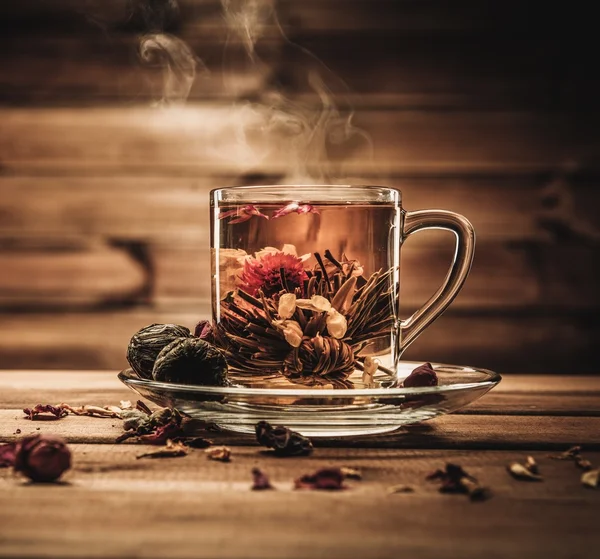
x=306 y=284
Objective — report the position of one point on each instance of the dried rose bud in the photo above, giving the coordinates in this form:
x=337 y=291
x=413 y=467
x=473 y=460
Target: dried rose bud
x=421 y=376
x=282 y=440
x=7 y=454
x=42 y=458
x=204 y=331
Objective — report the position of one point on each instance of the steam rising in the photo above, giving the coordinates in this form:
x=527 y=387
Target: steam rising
x=177 y=61
x=303 y=132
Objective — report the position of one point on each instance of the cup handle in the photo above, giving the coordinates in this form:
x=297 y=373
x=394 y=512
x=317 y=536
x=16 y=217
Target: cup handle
x=411 y=327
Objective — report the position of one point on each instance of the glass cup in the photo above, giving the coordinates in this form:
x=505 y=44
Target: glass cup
x=305 y=282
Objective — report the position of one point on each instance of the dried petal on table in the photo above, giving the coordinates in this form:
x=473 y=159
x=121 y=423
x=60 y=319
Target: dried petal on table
x=162 y=434
x=42 y=458
x=400 y=489
x=423 y=375
x=523 y=473
x=170 y=450
x=282 y=440
x=454 y=479
x=591 y=479
x=141 y=406
x=260 y=481
x=195 y=442
x=219 y=453
x=326 y=478
x=8 y=452
x=45 y=409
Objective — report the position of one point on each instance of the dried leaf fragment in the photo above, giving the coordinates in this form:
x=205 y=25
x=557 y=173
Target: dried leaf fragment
x=330 y=479
x=519 y=471
x=170 y=450
x=574 y=454
x=44 y=409
x=220 y=453
x=569 y=454
x=454 y=479
x=260 y=480
x=591 y=478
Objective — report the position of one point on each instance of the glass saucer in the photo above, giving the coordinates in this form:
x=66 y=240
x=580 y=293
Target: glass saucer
x=320 y=412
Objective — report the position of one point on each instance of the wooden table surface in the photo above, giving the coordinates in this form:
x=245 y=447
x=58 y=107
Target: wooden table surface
x=113 y=505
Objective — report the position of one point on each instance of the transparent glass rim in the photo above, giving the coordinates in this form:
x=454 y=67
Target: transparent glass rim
x=308 y=193
x=483 y=378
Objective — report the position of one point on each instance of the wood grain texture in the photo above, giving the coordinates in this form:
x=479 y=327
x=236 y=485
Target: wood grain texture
x=202 y=138
x=116 y=506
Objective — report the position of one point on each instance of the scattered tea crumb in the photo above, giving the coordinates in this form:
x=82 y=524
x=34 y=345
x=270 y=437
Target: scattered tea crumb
x=351 y=473
x=260 y=480
x=170 y=450
x=531 y=465
x=400 y=489
x=220 y=453
x=330 y=479
x=591 y=478
x=18 y=432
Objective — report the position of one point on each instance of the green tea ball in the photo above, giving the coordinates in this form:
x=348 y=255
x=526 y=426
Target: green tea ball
x=146 y=344
x=191 y=361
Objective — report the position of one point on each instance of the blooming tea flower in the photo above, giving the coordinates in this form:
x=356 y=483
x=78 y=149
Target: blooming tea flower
x=271 y=271
x=295 y=207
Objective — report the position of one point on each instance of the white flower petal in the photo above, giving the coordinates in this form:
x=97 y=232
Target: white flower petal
x=336 y=324
x=287 y=305
x=316 y=303
x=291 y=331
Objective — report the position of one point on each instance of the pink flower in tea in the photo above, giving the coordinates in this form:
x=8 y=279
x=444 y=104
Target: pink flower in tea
x=295 y=207
x=271 y=271
x=241 y=214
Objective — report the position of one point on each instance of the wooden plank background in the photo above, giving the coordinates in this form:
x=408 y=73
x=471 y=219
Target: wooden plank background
x=478 y=107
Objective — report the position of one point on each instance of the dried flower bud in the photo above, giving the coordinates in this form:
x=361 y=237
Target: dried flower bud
x=326 y=478
x=191 y=361
x=146 y=344
x=282 y=440
x=336 y=324
x=204 y=331
x=287 y=306
x=42 y=458
x=421 y=376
